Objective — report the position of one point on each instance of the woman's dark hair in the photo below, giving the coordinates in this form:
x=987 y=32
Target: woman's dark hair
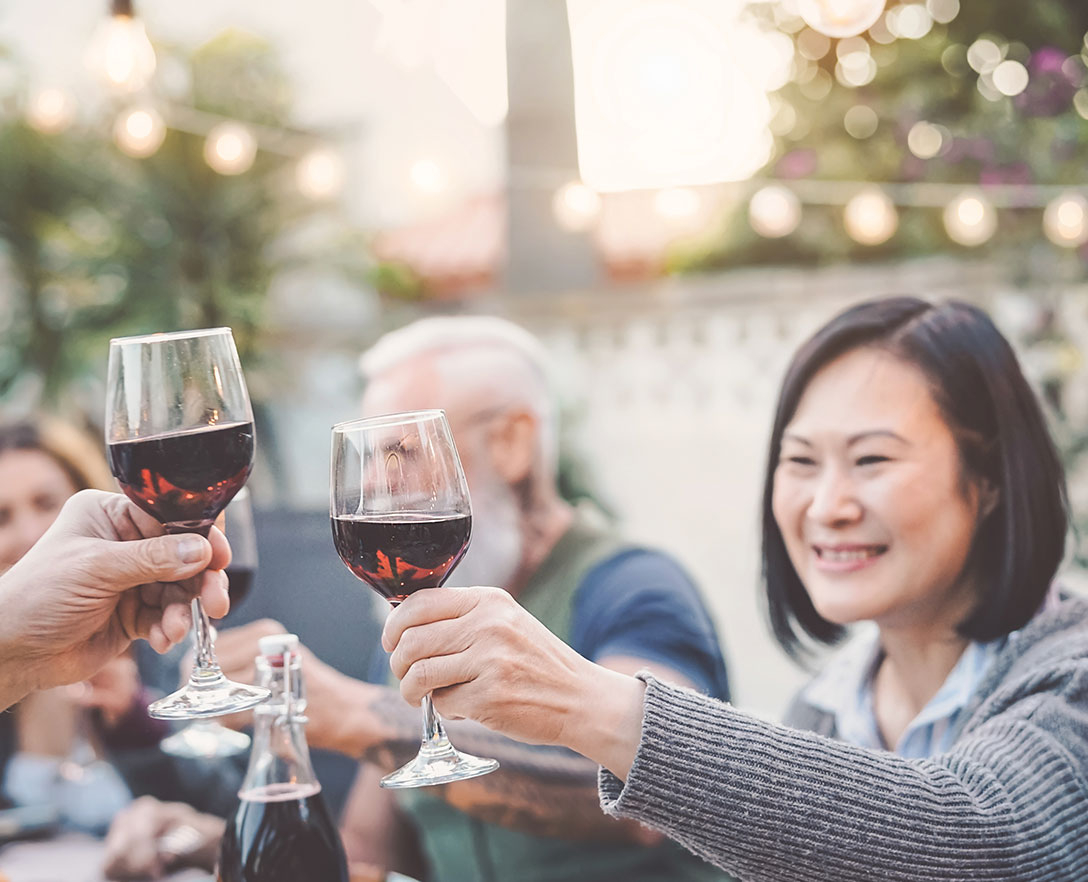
x=1002 y=437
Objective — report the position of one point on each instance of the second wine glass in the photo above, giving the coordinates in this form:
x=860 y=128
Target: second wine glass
x=179 y=434
x=401 y=521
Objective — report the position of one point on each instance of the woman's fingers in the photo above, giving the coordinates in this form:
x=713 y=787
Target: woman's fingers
x=428 y=675
x=436 y=604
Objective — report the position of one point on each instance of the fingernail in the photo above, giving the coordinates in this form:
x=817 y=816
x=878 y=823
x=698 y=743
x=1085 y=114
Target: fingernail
x=190 y=549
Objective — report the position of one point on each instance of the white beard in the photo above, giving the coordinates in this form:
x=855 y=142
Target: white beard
x=494 y=553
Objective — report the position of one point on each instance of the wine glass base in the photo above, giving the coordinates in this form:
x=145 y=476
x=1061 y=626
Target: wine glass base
x=211 y=697
x=205 y=740
x=442 y=766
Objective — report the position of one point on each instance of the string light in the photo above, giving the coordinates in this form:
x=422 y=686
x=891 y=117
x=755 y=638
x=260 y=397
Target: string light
x=50 y=111
x=576 y=206
x=320 y=174
x=774 y=211
x=230 y=148
x=1065 y=220
x=840 y=18
x=870 y=217
x=970 y=219
x=120 y=52
x=139 y=132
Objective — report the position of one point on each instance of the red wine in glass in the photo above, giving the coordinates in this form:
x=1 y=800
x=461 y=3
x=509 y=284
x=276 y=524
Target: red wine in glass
x=399 y=554
x=282 y=833
x=186 y=479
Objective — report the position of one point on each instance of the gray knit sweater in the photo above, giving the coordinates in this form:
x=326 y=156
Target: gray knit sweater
x=769 y=803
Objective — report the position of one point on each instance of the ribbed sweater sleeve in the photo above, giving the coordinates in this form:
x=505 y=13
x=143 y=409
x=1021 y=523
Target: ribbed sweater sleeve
x=772 y=804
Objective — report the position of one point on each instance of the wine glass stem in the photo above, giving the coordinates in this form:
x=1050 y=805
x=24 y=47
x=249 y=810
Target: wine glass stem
x=203 y=647
x=434 y=733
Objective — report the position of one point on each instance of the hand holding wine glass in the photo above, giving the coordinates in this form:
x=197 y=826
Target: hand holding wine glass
x=179 y=433
x=401 y=522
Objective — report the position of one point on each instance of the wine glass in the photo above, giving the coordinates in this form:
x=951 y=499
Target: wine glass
x=401 y=521
x=207 y=739
x=179 y=435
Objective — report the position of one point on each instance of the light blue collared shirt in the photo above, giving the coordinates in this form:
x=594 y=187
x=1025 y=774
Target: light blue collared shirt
x=844 y=689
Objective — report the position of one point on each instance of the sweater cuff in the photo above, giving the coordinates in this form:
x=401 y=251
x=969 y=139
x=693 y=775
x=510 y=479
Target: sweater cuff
x=675 y=715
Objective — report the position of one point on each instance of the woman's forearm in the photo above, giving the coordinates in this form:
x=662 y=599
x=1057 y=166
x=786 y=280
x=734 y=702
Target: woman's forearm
x=772 y=804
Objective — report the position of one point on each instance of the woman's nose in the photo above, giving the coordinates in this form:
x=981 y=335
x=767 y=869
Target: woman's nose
x=834 y=499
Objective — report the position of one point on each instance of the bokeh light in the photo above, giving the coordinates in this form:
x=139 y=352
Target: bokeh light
x=870 y=217
x=774 y=211
x=139 y=131
x=970 y=219
x=320 y=174
x=1065 y=220
x=230 y=148
x=50 y=110
x=576 y=207
x=861 y=121
x=1010 y=78
x=840 y=18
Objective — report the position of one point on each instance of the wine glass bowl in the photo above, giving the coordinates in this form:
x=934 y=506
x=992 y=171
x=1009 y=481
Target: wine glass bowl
x=180 y=441
x=401 y=521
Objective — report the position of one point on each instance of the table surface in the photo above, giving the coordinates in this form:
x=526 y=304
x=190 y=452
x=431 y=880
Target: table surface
x=67 y=858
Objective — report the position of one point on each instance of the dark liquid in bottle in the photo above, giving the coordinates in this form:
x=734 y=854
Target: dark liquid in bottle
x=400 y=554
x=185 y=480
x=282 y=833
x=239 y=581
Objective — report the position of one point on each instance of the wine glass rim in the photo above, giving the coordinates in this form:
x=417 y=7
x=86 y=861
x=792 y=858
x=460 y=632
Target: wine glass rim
x=161 y=336
x=389 y=419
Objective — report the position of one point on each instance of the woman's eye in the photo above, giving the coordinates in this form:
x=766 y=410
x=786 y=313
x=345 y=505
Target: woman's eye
x=871 y=460
x=801 y=460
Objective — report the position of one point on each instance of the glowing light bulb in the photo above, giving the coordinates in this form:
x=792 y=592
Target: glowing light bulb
x=50 y=111
x=870 y=217
x=121 y=54
x=230 y=148
x=774 y=211
x=840 y=18
x=576 y=206
x=1065 y=220
x=970 y=219
x=139 y=131
x=320 y=174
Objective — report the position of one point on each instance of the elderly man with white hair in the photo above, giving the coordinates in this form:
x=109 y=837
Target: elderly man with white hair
x=623 y=606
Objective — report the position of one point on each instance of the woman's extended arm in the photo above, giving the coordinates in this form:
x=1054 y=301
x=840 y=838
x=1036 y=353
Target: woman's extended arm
x=765 y=802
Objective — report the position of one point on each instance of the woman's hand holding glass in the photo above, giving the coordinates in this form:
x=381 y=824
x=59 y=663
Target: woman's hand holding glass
x=482 y=656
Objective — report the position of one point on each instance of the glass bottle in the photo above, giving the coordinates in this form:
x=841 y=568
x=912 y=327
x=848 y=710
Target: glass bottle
x=281 y=831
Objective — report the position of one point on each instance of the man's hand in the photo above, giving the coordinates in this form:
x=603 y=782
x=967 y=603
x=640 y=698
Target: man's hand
x=103 y=575
x=139 y=844
x=337 y=707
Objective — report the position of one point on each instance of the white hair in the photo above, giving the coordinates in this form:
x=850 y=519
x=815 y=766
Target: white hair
x=508 y=364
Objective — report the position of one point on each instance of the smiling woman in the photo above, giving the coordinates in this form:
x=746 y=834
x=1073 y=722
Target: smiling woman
x=911 y=483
